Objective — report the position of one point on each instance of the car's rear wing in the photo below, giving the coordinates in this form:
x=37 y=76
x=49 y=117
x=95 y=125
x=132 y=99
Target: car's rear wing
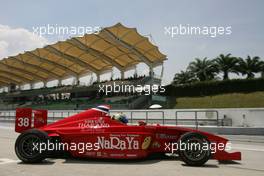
x=26 y=118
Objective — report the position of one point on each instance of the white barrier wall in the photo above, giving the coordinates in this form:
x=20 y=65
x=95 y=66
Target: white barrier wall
x=253 y=117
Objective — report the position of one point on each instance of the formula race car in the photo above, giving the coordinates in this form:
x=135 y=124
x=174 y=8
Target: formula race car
x=95 y=134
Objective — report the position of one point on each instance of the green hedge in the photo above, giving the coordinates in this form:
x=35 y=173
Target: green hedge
x=215 y=87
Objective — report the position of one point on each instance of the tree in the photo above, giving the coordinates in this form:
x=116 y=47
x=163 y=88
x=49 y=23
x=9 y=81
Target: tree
x=226 y=64
x=203 y=69
x=184 y=77
x=262 y=70
x=250 y=66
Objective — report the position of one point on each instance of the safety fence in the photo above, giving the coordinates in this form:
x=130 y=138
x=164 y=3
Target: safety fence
x=192 y=118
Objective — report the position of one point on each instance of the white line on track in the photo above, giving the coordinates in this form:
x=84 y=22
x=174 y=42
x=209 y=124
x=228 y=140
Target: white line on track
x=249 y=149
x=7 y=127
x=7 y=161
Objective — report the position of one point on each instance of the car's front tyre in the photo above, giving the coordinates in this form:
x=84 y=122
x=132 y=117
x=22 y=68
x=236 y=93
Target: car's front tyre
x=197 y=149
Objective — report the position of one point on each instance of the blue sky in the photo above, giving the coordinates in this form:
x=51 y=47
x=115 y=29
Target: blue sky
x=150 y=17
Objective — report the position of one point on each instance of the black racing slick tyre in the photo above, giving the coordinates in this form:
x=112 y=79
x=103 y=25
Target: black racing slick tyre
x=197 y=149
x=27 y=146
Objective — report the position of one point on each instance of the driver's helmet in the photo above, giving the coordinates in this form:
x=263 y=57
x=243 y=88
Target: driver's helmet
x=121 y=117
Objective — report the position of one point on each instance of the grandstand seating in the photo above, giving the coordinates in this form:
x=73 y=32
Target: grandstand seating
x=80 y=97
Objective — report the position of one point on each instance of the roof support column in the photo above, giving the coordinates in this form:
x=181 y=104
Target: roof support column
x=45 y=84
x=135 y=73
x=122 y=74
x=20 y=87
x=162 y=70
x=112 y=75
x=59 y=82
x=77 y=80
x=91 y=79
x=151 y=72
x=8 y=89
x=98 y=77
x=31 y=85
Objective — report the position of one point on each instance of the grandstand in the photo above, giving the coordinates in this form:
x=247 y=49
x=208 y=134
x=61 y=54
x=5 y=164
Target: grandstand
x=117 y=47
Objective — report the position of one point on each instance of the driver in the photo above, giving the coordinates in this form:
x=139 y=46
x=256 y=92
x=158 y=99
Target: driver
x=120 y=117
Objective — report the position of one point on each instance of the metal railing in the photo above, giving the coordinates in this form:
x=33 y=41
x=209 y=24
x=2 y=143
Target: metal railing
x=196 y=120
x=149 y=116
x=146 y=118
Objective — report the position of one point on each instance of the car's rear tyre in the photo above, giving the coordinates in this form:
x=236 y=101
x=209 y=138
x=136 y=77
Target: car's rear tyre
x=199 y=153
x=25 y=146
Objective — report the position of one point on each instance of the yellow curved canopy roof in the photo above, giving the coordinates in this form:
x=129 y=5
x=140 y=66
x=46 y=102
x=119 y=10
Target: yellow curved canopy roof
x=116 y=46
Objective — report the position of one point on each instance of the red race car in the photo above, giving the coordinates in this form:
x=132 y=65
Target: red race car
x=95 y=134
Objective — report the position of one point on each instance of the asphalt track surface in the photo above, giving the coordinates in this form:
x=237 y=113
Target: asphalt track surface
x=252 y=148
